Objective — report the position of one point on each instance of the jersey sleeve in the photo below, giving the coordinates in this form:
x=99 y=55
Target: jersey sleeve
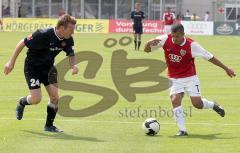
x=174 y=17
x=162 y=39
x=143 y=15
x=132 y=15
x=35 y=40
x=69 y=49
x=163 y=17
x=198 y=51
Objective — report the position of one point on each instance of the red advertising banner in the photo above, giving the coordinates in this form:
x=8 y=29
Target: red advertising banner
x=125 y=26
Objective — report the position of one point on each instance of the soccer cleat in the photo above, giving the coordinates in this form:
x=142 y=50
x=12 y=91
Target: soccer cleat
x=52 y=129
x=182 y=133
x=19 y=110
x=217 y=108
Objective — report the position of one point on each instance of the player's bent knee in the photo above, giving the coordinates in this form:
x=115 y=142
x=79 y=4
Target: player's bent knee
x=54 y=99
x=36 y=99
x=176 y=100
x=198 y=106
x=197 y=103
x=176 y=103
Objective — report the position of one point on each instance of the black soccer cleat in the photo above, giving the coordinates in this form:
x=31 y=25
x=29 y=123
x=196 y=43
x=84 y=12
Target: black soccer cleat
x=19 y=110
x=182 y=133
x=217 y=108
x=52 y=129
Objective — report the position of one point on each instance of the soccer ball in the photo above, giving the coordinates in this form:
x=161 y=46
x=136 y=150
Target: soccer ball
x=151 y=126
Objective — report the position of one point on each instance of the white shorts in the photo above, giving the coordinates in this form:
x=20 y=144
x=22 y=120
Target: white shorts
x=189 y=85
x=167 y=29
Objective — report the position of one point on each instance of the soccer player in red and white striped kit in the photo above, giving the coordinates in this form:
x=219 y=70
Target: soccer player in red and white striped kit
x=180 y=52
x=168 y=20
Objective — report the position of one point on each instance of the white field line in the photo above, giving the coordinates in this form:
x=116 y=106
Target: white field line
x=124 y=122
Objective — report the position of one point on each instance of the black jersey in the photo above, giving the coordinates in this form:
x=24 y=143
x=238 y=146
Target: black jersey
x=44 y=45
x=137 y=17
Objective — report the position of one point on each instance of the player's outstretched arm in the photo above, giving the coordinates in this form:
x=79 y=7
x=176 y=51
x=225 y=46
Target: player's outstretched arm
x=72 y=62
x=230 y=72
x=147 y=47
x=10 y=64
x=151 y=44
x=198 y=50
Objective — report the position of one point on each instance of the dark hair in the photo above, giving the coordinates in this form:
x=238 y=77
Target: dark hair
x=64 y=20
x=177 y=27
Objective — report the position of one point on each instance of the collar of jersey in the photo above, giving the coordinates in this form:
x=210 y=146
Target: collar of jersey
x=57 y=35
x=183 y=43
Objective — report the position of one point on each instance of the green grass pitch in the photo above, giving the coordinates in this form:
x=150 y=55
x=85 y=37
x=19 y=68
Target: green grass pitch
x=112 y=131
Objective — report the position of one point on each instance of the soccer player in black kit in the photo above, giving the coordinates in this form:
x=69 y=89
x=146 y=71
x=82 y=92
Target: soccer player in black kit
x=137 y=16
x=43 y=46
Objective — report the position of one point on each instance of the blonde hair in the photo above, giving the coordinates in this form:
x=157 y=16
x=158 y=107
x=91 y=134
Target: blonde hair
x=65 y=19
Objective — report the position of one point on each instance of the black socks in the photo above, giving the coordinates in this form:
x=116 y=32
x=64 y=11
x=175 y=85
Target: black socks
x=23 y=101
x=137 y=44
x=51 y=114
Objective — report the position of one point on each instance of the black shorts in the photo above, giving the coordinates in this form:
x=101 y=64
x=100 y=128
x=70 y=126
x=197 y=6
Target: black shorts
x=138 y=29
x=35 y=75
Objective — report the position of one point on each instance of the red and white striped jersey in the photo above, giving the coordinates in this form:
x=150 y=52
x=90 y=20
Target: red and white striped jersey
x=168 y=18
x=180 y=58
